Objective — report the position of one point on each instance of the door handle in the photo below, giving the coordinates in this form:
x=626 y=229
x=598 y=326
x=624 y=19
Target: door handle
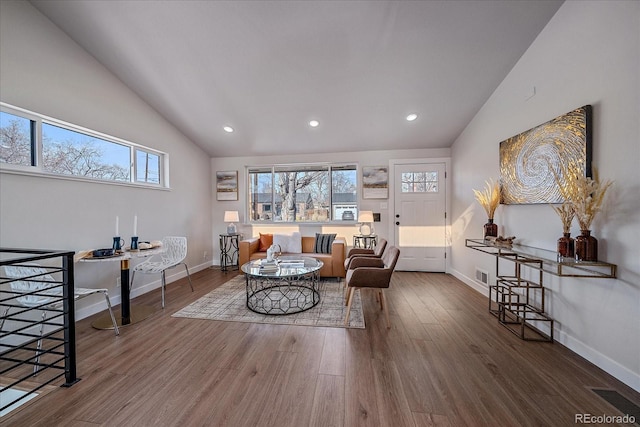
x=397 y=215
x=397 y=222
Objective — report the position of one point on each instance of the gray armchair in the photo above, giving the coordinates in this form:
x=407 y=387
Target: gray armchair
x=370 y=272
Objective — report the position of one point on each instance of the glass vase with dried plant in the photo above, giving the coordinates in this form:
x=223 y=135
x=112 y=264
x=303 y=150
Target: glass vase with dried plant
x=565 y=243
x=489 y=199
x=586 y=195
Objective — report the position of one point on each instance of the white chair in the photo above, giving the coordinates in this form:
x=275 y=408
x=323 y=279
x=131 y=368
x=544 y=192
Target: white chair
x=173 y=255
x=43 y=292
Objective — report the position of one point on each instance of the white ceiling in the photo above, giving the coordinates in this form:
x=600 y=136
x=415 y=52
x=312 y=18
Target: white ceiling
x=268 y=67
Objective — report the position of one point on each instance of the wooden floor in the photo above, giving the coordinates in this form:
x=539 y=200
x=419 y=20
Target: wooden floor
x=445 y=361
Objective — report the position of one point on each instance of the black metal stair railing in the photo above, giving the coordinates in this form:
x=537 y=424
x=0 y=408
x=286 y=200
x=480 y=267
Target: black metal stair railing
x=37 y=339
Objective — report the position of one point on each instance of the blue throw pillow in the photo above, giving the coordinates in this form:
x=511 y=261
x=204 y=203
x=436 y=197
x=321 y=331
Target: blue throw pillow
x=323 y=243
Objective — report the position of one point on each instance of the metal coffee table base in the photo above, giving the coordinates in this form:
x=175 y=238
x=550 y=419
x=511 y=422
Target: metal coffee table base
x=282 y=295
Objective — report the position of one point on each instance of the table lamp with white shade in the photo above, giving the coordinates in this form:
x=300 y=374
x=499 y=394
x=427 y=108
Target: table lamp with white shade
x=231 y=217
x=365 y=218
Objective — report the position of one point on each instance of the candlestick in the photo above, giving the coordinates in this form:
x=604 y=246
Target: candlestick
x=117 y=225
x=135 y=225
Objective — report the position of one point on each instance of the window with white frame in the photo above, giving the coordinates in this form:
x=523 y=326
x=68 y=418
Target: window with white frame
x=17 y=139
x=302 y=193
x=43 y=144
x=147 y=167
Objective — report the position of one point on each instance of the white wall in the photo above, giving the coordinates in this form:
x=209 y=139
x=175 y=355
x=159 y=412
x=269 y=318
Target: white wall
x=589 y=53
x=44 y=71
x=365 y=158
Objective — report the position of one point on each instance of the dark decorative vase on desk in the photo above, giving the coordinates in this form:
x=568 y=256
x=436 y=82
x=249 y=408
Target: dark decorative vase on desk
x=565 y=247
x=490 y=229
x=586 y=247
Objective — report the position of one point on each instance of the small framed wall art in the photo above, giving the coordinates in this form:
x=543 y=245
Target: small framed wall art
x=375 y=182
x=227 y=185
x=530 y=161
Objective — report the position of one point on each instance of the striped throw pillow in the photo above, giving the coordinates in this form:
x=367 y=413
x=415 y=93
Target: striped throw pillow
x=323 y=243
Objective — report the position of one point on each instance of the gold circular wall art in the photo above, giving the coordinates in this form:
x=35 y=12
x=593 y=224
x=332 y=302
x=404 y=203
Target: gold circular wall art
x=528 y=160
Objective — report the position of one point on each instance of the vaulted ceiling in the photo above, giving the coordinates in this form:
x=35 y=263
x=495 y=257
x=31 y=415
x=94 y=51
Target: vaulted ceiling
x=266 y=68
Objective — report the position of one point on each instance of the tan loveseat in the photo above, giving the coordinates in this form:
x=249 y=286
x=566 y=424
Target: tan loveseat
x=333 y=262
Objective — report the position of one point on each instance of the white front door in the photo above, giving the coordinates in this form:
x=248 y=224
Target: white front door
x=420 y=216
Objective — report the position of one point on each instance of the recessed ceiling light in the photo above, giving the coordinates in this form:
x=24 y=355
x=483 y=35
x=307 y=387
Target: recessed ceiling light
x=411 y=117
x=228 y=129
x=314 y=123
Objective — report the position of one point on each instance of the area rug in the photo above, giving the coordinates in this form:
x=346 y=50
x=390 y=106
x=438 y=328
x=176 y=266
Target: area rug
x=229 y=303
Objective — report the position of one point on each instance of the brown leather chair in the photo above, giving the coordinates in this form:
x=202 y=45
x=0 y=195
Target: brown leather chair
x=370 y=272
x=375 y=252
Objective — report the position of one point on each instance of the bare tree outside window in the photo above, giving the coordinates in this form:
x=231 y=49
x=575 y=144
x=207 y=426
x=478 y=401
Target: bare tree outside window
x=301 y=193
x=344 y=181
x=290 y=184
x=73 y=153
x=15 y=141
x=80 y=159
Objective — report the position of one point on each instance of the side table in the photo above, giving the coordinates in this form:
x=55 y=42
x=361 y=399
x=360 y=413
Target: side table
x=229 y=251
x=365 y=242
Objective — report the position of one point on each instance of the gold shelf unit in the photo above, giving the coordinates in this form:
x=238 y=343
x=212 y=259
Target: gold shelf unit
x=518 y=302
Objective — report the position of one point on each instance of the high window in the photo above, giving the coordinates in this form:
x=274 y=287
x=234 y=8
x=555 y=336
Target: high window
x=302 y=193
x=147 y=167
x=43 y=144
x=17 y=143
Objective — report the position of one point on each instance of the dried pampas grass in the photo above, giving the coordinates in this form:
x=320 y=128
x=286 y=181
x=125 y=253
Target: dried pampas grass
x=566 y=214
x=585 y=194
x=489 y=197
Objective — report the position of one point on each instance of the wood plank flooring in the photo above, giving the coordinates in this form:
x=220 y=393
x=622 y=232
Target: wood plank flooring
x=444 y=362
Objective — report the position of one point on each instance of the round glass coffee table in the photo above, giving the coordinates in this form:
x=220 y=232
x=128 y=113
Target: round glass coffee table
x=289 y=286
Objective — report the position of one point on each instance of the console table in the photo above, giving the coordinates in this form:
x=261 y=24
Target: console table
x=517 y=298
x=229 y=251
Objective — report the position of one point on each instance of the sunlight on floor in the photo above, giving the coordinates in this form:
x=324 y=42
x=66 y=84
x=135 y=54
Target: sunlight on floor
x=11 y=394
